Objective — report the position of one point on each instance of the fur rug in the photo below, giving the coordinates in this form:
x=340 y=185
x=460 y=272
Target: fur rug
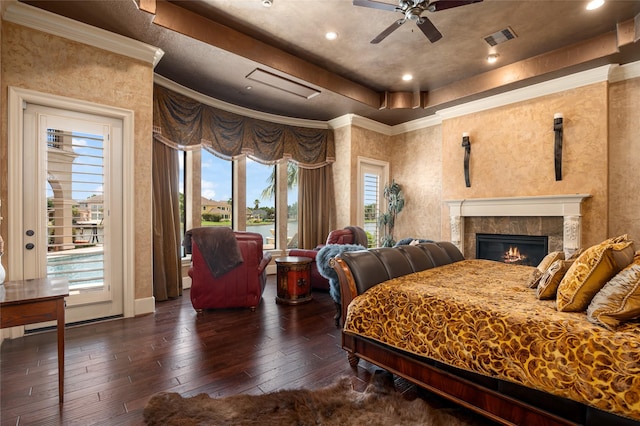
x=337 y=405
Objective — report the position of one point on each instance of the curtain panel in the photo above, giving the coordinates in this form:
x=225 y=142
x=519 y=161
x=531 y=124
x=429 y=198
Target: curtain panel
x=167 y=267
x=185 y=123
x=316 y=206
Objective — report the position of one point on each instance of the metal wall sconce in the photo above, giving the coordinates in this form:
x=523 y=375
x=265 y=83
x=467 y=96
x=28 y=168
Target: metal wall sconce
x=466 y=144
x=557 y=148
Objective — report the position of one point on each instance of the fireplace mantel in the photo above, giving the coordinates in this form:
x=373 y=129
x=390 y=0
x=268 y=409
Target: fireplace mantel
x=568 y=206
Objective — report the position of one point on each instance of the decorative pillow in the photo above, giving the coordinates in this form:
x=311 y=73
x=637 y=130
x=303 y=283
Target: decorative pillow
x=546 y=262
x=576 y=254
x=549 y=259
x=534 y=279
x=550 y=280
x=619 y=299
x=619 y=239
x=590 y=272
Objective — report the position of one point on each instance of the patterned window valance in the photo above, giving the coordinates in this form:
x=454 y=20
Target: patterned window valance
x=184 y=123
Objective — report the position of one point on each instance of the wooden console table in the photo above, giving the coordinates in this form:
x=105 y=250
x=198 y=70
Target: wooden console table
x=37 y=300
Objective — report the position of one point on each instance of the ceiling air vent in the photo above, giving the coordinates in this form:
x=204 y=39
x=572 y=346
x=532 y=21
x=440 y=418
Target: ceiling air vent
x=500 y=36
x=282 y=83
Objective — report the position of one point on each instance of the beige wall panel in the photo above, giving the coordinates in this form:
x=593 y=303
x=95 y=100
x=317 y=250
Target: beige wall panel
x=512 y=153
x=49 y=64
x=624 y=159
x=417 y=164
x=342 y=176
x=370 y=144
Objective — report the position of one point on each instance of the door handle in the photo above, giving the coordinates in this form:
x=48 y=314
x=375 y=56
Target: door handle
x=29 y=246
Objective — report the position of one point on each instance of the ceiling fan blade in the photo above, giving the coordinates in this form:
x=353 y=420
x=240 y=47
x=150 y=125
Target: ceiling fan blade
x=430 y=30
x=391 y=28
x=375 y=5
x=449 y=4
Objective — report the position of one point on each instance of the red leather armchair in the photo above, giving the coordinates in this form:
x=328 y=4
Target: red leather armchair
x=337 y=236
x=240 y=287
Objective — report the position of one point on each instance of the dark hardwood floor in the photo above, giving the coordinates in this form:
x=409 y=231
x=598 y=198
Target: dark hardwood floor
x=114 y=367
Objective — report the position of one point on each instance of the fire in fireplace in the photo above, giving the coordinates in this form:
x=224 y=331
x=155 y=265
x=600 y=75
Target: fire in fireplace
x=513 y=249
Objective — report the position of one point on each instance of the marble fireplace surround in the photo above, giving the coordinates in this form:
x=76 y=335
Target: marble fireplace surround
x=566 y=206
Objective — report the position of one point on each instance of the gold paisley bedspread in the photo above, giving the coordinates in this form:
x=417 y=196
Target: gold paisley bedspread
x=479 y=315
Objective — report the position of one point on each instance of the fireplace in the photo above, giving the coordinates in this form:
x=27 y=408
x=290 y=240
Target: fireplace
x=513 y=249
x=566 y=207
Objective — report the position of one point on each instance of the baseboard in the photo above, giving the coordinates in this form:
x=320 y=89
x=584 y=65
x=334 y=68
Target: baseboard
x=144 y=306
x=186 y=282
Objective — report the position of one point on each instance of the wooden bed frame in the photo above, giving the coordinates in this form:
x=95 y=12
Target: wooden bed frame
x=465 y=392
x=501 y=401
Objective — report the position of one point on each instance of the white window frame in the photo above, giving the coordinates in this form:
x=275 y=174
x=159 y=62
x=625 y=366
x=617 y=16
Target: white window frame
x=370 y=165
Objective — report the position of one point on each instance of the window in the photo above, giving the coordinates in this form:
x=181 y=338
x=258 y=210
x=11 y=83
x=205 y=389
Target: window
x=182 y=191
x=75 y=209
x=292 y=205
x=372 y=177
x=260 y=191
x=216 y=190
x=241 y=190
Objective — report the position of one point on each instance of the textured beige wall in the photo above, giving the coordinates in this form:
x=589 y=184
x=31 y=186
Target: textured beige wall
x=49 y=64
x=417 y=164
x=342 y=181
x=353 y=142
x=624 y=158
x=512 y=154
x=372 y=145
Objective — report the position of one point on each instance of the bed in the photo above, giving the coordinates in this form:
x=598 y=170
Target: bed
x=472 y=331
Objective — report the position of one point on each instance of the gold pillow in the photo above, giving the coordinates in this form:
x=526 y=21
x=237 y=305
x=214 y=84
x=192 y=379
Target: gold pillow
x=550 y=280
x=575 y=254
x=534 y=279
x=619 y=239
x=590 y=272
x=549 y=259
x=619 y=299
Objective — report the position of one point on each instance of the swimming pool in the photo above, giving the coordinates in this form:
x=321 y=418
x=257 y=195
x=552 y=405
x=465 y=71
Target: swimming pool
x=82 y=270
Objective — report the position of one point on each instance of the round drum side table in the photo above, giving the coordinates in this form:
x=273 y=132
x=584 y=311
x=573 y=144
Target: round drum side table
x=294 y=280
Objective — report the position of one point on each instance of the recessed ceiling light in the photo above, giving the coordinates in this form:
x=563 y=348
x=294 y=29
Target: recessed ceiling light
x=407 y=77
x=267 y=3
x=492 y=58
x=594 y=4
x=331 y=35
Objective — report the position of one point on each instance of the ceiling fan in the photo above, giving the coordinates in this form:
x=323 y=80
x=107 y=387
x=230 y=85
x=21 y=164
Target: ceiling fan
x=412 y=11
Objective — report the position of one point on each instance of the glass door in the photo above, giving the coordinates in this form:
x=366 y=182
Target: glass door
x=72 y=216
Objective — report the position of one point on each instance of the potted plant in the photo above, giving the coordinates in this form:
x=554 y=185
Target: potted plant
x=386 y=221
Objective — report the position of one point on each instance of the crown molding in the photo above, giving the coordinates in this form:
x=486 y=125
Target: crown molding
x=235 y=109
x=41 y=20
x=365 y=123
x=420 y=123
x=562 y=84
x=624 y=72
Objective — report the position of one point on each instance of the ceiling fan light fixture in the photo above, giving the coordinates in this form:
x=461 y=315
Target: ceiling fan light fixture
x=413 y=14
x=594 y=4
x=492 y=58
